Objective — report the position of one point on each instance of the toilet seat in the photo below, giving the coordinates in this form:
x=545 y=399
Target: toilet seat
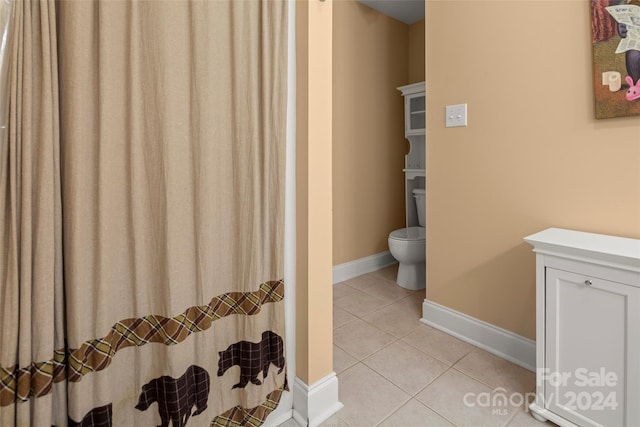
x=410 y=234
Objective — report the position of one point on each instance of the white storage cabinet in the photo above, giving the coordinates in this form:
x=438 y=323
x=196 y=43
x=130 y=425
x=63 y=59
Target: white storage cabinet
x=415 y=110
x=587 y=329
x=415 y=121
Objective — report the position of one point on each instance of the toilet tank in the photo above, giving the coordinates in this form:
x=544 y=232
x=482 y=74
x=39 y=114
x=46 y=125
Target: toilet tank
x=419 y=196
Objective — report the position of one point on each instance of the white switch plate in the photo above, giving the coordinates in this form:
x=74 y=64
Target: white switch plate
x=456 y=115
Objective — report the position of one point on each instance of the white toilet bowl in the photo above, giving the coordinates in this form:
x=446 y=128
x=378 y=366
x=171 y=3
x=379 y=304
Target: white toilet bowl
x=407 y=245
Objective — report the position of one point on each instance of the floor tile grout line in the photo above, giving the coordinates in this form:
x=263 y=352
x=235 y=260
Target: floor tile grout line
x=362 y=317
x=403 y=297
x=452 y=367
x=345 y=323
x=427 y=406
x=409 y=292
x=375 y=352
x=393 y=412
x=517 y=408
x=367 y=314
x=441 y=414
x=474 y=378
x=396 y=339
x=468 y=374
x=515 y=414
x=375 y=274
x=419 y=324
x=385 y=305
x=448 y=363
x=390 y=333
x=409 y=397
x=412 y=395
x=401 y=337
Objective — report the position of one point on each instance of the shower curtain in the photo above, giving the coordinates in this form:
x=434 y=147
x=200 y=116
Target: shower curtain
x=141 y=213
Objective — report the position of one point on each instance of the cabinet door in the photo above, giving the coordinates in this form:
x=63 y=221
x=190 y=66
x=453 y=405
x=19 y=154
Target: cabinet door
x=592 y=349
x=415 y=108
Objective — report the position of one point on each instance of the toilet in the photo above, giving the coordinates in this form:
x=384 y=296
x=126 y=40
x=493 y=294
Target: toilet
x=407 y=245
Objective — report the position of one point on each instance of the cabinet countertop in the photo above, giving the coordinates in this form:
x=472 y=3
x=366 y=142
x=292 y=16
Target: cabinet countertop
x=578 y=245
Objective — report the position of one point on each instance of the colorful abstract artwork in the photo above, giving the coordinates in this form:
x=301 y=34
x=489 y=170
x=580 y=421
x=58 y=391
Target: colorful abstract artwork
x=615 y=37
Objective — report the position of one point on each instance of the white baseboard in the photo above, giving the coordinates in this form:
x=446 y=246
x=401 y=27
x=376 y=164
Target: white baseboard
x=274 y=420
x=358 y=267
x=314 y=404
x=502 y=343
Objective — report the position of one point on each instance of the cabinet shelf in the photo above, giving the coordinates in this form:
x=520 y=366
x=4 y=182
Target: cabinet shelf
x=413 y=173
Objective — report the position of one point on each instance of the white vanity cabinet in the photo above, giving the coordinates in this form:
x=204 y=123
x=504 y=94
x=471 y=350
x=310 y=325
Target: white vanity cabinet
x=587 y=329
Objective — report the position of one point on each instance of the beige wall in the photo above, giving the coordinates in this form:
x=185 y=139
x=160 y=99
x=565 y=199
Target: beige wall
x=416 y=52
x=532 y=156
x=370 y=59
x=314 y=324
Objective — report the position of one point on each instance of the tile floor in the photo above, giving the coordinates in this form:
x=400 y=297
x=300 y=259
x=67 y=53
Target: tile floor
x=395 y=371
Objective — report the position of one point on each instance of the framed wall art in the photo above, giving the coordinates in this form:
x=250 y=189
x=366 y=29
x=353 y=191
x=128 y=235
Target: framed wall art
x=615 y=38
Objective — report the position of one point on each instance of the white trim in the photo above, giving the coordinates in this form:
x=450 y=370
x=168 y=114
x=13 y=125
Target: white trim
x=412 y=88
x=612 y=251
x=358 y=267
x=502 y=343
x=543 y=415
x=312 y=405
x=276 y=419
x=284 y=409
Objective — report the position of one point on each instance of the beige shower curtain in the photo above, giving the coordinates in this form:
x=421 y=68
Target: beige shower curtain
x=142 y=207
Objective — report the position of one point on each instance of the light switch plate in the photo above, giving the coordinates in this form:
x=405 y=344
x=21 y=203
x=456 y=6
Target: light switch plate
x=456 y=115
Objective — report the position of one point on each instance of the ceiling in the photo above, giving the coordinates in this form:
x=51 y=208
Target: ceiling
x=407 y=11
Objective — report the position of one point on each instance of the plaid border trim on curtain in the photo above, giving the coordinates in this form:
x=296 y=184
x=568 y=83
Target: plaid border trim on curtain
x=253 y=417
x=36 y=380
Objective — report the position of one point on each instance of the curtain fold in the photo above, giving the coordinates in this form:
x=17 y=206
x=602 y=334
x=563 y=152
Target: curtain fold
x=145 y=166
x=31 y=302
